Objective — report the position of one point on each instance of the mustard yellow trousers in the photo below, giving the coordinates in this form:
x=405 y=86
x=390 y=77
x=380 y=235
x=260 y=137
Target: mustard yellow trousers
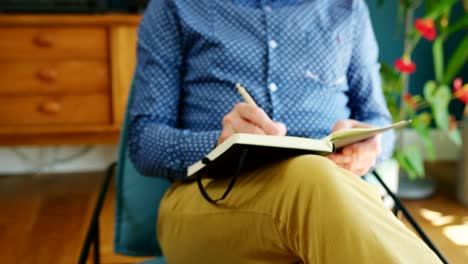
x=301 y=210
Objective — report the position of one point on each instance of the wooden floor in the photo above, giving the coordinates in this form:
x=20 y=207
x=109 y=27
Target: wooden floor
x=41 y=217
x=446 y=224
x=32 y=231
x=442 y=217
x=44 y=218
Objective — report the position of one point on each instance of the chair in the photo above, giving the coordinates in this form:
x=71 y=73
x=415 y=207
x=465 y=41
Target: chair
x=137 y=200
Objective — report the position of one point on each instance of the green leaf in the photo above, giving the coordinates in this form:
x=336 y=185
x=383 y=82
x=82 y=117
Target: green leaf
x=457 y=25
x=456 y=61
x=390 y=78
x=391 y=86
x=429 y=90
x=406 y=167
x=440 y=8
x=413 y=156
x=440 y=105
x=455 y=136
x=438 y=56
x=438 y=99
x=411 y=161
x=421 y=124
x=430 y=4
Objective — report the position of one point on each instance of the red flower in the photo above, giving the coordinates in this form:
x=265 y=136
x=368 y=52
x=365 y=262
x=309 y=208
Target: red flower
x=426 y=28
x=460 y=90
x=457 y=83
x=408 y=98
x=405 y=65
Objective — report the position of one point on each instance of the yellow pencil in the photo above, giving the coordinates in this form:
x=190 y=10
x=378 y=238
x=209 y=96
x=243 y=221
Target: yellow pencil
x=243 y=92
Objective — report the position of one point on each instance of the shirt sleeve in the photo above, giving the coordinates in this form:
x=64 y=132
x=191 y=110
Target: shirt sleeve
x=157 y=144
x=366 y=99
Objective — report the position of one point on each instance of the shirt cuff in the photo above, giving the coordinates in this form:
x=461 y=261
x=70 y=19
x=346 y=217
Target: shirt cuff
x=164 y=151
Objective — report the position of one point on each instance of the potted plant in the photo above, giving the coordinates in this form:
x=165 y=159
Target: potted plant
x=430 y=109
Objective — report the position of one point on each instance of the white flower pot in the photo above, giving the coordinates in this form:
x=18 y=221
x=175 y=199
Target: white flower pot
x=389 y=172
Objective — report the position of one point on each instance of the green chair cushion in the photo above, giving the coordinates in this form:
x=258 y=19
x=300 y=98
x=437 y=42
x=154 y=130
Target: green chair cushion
x=137 y=202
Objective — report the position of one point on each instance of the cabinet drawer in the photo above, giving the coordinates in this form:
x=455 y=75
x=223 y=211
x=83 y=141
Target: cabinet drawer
x=52 y=42
x=46 y=110
x=40 y=77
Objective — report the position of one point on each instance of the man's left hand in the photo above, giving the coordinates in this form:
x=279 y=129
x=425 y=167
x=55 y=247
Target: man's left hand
x=358 y=157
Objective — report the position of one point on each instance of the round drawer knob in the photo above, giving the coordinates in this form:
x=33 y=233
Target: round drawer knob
x=47 y=74
x=44 y=40
x=50 y=107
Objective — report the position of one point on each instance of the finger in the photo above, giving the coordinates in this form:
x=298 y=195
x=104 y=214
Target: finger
x=226 y=132
x=363 y=164
x=342 y=124
x=341 y=158
x=233 y=121
x=349 y=123
x=355 y=152
x=357 y=124
x=345 y=166
x=239 y=125
x=369 y=145
x=257 y=116
x=232 y=124
x=358 y=163
x=281 y=128
x=361 y=171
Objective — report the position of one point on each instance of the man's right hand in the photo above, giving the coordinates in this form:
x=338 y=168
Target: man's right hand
x=251 y=119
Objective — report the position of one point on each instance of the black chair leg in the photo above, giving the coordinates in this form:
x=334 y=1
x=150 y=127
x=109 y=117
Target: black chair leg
x=92 y=235
x=399 y=205
x=395 y=210
x=96 y=243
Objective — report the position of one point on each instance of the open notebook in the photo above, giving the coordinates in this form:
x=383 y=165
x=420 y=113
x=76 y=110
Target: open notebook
x=262 y=148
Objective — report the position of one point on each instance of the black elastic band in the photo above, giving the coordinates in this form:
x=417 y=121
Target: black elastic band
x=231 y=184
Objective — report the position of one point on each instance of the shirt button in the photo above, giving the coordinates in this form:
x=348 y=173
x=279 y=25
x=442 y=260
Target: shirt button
x=273 y=87
x=272 y=44
x=267 y=8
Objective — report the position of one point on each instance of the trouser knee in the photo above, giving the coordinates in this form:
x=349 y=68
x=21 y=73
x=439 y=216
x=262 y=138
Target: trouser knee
x=311 y=170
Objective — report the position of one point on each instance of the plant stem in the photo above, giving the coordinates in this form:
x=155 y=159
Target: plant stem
x=404 y=76
x=416 y=4
x=404 y=90
x=412 y=44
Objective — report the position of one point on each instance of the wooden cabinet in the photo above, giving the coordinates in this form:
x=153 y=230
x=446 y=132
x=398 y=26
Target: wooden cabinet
x=64 y=79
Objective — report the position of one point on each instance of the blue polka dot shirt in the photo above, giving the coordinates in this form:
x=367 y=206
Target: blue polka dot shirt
x=308 y=64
